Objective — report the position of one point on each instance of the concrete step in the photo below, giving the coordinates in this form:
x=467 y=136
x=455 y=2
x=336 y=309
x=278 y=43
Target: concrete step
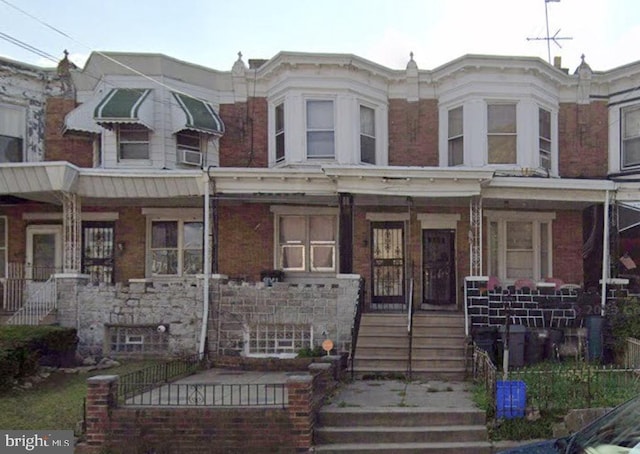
x=438 y=330
x=407 y=448
x=399 y=417
x=438 y=351
x=392 y=434
x=383 y=341
x=433 y=320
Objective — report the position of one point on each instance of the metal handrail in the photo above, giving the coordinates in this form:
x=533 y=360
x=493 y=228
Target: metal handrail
x=38 y=305
x=356 y=322
x=410 y=327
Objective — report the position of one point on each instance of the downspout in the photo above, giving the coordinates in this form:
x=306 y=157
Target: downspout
x=207 y=270
x=605 y=255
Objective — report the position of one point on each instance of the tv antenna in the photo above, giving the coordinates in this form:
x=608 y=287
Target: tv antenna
x=555 y=38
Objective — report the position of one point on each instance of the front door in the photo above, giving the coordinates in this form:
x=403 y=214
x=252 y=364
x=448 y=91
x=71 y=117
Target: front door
x=439 y=282
x=387 y=251
x=44 y=251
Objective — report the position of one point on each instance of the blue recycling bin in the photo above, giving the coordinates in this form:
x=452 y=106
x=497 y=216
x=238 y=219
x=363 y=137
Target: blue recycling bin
x=511 y=399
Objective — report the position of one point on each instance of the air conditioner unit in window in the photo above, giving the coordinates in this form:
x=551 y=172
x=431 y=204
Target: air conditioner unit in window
x=190 y=157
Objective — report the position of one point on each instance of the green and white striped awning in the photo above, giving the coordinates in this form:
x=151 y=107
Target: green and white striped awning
x=125 y=105
x=196 y=115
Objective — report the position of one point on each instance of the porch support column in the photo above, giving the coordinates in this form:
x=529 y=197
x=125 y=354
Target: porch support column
x=475 y=236
x=71 y=220
x=345 y=202
x=605 y=255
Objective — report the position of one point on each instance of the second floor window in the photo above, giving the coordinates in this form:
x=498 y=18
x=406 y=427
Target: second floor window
x=11 y=133
x=367 y=135
x=455 y=138
x=631 y=137
x=544 y=120
x=133 y=142
x=279 y=132
x=501 y=137
x=320 y=130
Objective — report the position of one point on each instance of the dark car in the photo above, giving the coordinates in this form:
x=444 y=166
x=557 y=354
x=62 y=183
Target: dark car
x=616 y=432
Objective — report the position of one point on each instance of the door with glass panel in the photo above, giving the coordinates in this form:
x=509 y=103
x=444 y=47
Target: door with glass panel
x=44 y=252
x=97 y=251
x=387 y=263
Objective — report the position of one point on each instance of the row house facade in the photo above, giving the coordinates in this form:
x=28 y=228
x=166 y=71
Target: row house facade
x=180 y=208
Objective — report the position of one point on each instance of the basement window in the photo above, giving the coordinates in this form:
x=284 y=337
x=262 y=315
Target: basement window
x=281 y=340
x=136 y=340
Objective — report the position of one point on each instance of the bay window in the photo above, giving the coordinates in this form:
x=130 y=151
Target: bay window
x=544 y=133
x=501 y=133
x=455 y=137
x=367 y=135
x=320 y=130
x=279 y=132
x=307 y=243
x=519 y=245
x=631 y=137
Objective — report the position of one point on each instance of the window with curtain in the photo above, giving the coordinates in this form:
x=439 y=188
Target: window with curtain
x=176 y=247
x=367 y=135
x=501 y=133
x=307 y=243
x=631 y=137
x=519 y=245
x=320 y=129
x=455 y=137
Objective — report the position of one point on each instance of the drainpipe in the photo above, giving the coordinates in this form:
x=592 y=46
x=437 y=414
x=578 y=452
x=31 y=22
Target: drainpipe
x=605 y=255
x=207 y=270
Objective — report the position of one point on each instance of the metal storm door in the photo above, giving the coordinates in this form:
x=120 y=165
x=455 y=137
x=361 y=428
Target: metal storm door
x=387 y=249
x=97 y=251
x=439 y=267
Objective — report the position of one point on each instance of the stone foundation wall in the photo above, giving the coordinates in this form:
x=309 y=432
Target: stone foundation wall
x=327 y=305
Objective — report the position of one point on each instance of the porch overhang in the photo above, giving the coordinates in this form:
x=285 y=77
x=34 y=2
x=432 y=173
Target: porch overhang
x=408 y=181
x=39 y=181
x=196 y=115
x=125 y=106
x=546 y=192
x=261 y=182
x=102 y=184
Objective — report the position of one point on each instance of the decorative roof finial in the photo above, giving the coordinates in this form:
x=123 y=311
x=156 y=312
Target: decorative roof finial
x=239 y=66
x=412 y=64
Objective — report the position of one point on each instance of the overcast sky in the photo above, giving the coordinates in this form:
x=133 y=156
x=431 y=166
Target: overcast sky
x=211 y=33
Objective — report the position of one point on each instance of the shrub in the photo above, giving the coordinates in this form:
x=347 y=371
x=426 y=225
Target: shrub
x=623 y=321
x=21 y=348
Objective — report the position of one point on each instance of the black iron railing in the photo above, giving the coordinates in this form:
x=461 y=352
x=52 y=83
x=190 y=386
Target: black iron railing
x=355 y=328
x=410 y=311
x=211 y=395
x=140 y=381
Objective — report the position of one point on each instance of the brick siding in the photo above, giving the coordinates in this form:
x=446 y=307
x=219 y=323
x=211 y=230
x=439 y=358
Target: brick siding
x=76 y=149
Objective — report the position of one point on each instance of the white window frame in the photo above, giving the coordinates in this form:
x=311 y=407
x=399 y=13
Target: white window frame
x=545 y=143
x=307 y=246
x=120 y=142
x=181 y=217
x=491 y=134
x=279 y=132
x=3 y=247
x=453 y=137
x=364 y=135
x=537 y=219
x=310 y=130
x=624 y=111
x=15 y=129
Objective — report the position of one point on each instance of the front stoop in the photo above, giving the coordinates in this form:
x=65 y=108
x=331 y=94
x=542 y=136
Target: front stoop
x=403 y=430
x=438 y=345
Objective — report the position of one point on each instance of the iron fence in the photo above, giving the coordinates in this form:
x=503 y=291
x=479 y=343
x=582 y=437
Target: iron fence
x=485 y=373
x=560 y=386
x=211 y=395
x=140 y=381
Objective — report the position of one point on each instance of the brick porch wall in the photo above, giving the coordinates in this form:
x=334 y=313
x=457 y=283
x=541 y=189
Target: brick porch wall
x=127 y=429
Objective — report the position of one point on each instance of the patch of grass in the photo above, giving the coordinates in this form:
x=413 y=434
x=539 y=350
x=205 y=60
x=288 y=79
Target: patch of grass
x=523 y=429
x=54 y=404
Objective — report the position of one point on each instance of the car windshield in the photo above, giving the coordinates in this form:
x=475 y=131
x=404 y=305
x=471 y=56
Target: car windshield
x=616 y=432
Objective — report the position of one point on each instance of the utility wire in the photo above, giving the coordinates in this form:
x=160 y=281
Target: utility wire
x=28 y=47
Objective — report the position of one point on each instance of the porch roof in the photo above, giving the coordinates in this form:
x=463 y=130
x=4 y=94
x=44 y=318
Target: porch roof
x=39 y=181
